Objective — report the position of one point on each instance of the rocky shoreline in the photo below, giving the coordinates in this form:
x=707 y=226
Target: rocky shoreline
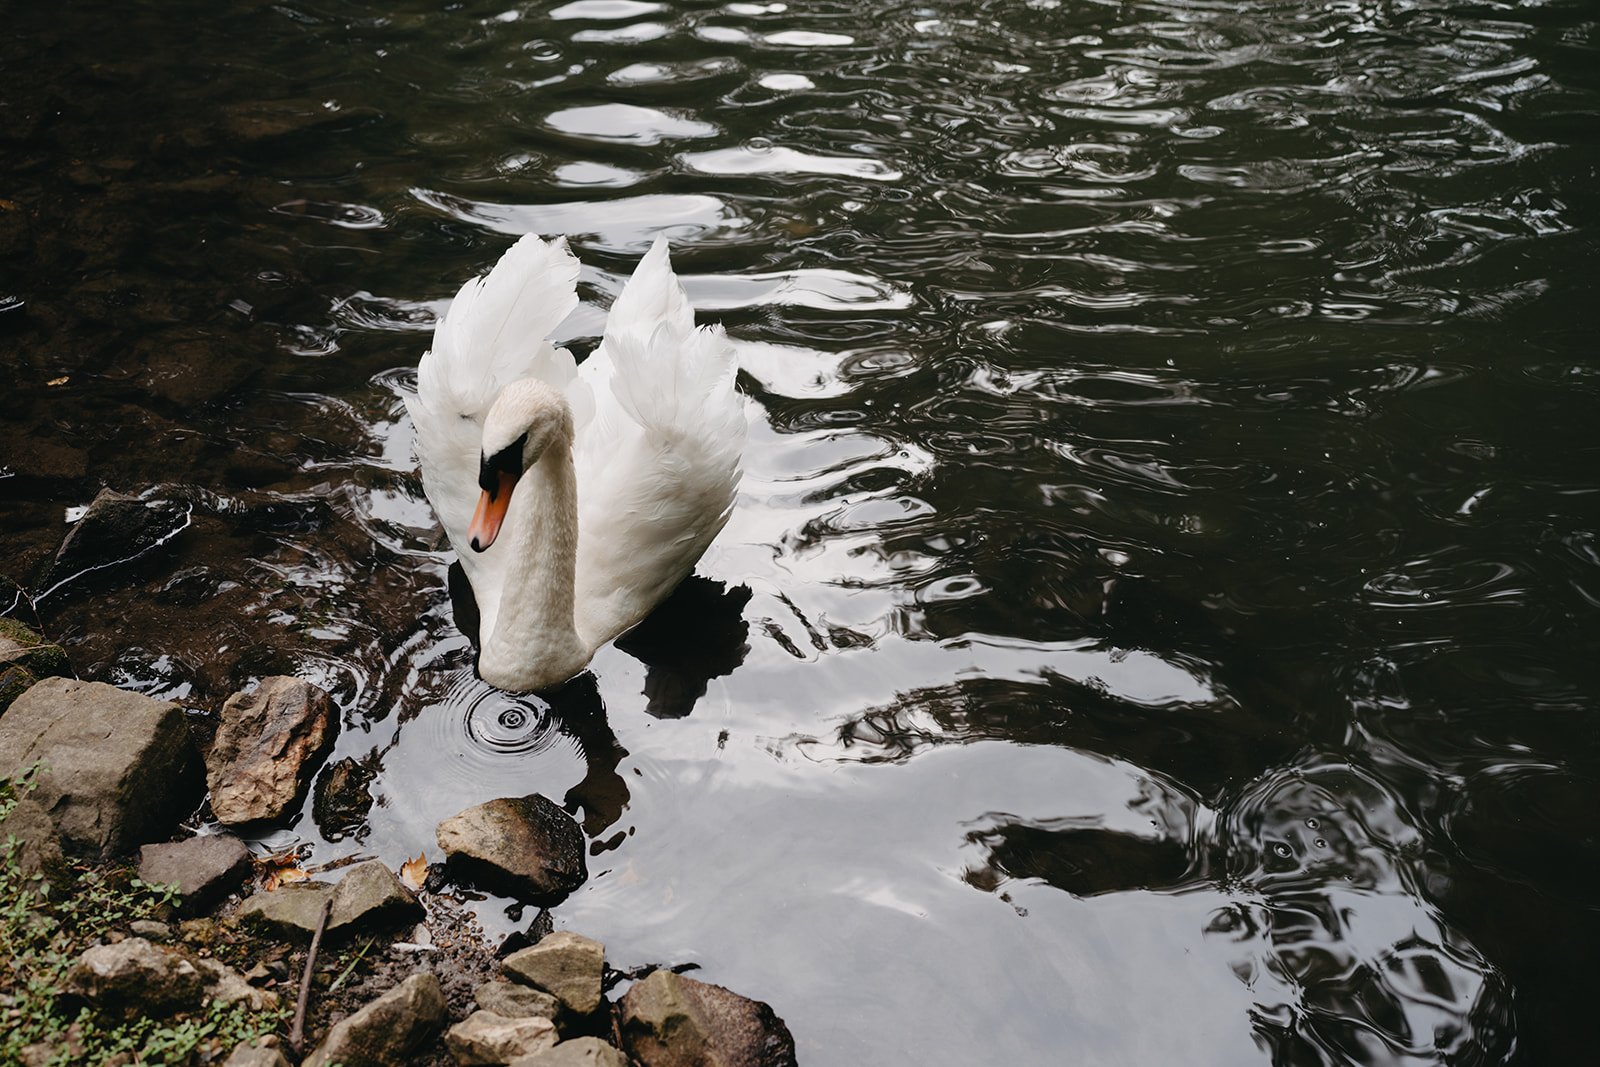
x=387 y=968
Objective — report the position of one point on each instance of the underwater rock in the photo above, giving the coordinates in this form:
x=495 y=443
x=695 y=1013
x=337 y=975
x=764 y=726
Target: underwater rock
x=115 y=529
x=340 y=800
x=266 y=745
x=525 y=847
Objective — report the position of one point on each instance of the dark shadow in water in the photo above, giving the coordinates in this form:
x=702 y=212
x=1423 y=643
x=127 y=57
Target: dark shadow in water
x=697 y=634
x=580 y=713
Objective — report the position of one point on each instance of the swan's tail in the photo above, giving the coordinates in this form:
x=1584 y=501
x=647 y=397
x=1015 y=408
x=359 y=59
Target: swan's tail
x=671 y=377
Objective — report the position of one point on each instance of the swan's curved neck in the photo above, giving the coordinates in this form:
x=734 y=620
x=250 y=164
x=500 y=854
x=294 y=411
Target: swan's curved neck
x=534 y=642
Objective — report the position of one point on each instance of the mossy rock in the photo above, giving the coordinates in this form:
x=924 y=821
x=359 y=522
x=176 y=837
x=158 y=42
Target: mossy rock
x=21 y=647
x=14 y=681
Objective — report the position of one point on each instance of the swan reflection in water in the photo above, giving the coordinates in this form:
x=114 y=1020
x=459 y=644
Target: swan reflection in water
x=1312 y=883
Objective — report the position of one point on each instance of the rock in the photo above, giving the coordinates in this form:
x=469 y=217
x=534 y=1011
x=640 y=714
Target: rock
x=340 y=801
x=526 y=847
x=262 y=1052
x=672 y=1021
x=202 y=932
x=137 y=978
x=368 y=897
x=579 y=1052
x=203 y=869
x=516 y=1001
x=117 y=768
x=267 y=120
x=566 y=965
x=21 y=647
x=266 y=744
x=290 y=909
x=150 y=930
x=38 y=853
x=486 y=1038
x=115 y=529
x=387 y=1032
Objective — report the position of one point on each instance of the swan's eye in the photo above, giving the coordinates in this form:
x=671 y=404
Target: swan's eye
x=506 y=461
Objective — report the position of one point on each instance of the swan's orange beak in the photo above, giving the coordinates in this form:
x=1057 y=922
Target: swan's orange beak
x=491 y=512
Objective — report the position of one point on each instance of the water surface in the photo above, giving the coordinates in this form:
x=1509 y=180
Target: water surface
x=1157 y=625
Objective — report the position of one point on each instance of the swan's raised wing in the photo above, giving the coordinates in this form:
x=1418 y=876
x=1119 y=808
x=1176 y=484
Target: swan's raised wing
x=658 y=457
x=494 y=333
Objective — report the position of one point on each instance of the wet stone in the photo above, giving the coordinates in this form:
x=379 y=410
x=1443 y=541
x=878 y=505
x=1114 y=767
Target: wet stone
x=668 y=1020
x=265 y=748
x=566 y=965
x=340 y=801
x=115 y=530
x=525 y=847
x=486 y=1038
x=203 y=869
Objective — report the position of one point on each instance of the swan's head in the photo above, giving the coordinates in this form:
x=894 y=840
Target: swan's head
x=524 y=420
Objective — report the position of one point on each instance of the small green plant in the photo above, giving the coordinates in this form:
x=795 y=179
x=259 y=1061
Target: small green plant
x=43 y=929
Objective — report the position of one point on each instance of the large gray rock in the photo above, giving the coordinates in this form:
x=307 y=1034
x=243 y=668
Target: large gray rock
x=267 y=745
x=579 y=1052
x=137 y=978
x=525 y=847
x=369 y=897
x=203 y=869
x=516 y=1001
x=38 y=853
x=672 y=1021
x=118 y=768
x=486 y=1038
x=568 y=966
x=387 y=1032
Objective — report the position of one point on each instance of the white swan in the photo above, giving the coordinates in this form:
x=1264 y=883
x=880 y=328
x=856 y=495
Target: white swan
x=577 y=498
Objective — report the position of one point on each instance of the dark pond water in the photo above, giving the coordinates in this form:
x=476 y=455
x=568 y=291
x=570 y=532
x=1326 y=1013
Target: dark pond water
x=1163 y=592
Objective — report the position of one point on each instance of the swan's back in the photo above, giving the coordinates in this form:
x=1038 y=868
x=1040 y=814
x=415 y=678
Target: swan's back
x=658 y=458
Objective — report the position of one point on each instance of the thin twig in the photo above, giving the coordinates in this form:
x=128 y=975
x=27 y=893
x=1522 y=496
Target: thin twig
x=297 y=1033
x=339 y=981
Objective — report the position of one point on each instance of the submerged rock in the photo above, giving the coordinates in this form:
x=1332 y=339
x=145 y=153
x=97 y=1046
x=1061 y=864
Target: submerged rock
x=340 y=800
x=387 y=1032
x=525 y=847
x=266 y=745
x=568 y=966
x=117 y=768
x=115 y=529
x=516 y=1001
x=486 y=1038
x=136 y=978
x=579 y=1052
x=672 y=1021
x=203 y=869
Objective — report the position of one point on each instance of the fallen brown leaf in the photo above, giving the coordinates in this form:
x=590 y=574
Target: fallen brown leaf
x=415 y=872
